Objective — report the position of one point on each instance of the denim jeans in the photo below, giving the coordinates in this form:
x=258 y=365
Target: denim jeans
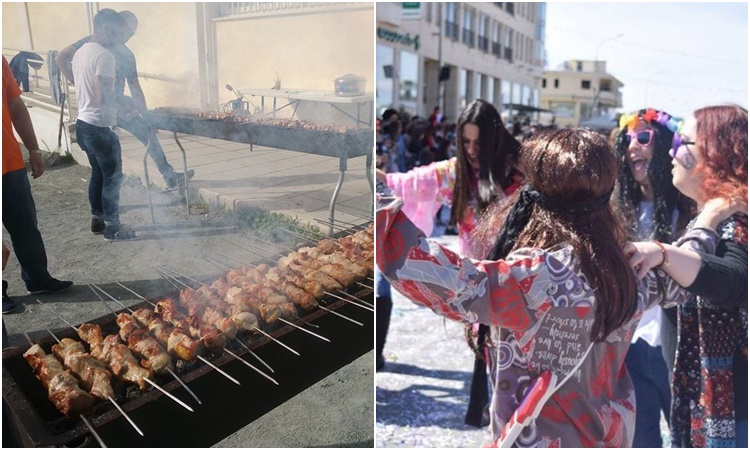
x=102 y=146
x=19 y=219
x=648 y=371
x=740 y=429
x=144 y=132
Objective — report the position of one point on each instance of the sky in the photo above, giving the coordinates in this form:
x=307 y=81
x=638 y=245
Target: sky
x=676 y=57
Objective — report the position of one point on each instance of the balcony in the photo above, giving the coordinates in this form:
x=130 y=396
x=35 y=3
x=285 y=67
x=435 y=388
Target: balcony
x=451 y=30
x=468 y=38
x=483 y=44
x=496 y=49
x=508 y=55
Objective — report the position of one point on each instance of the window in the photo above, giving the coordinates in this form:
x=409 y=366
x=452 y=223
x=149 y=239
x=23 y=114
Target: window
x=462 y=80
x=468 y=27
x=585 y=84
x=451 y=27
x=544 y=82
x=496 y=39
x=428 y=12
x=557 y=83
x=384 y=57
x=507 y=42
x=482 y=41
x=579 y=66
x=509 y=7
x=605 y=85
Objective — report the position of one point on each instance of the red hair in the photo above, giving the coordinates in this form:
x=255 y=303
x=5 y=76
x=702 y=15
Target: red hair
x=721 y=139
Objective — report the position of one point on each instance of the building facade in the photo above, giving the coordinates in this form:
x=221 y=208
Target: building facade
x=579 y=91
x=493 y=51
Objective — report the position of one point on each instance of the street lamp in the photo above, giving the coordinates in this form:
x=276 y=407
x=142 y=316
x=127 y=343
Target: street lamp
x=596 y=63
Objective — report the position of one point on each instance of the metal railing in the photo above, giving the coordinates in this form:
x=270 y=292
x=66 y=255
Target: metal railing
x=40 y=91
x=232 y=9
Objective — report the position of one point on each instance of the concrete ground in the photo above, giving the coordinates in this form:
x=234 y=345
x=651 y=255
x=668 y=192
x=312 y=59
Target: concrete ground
x=335 y=411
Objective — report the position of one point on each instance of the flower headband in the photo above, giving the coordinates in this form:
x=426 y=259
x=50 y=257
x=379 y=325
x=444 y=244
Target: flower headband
x=651 y=116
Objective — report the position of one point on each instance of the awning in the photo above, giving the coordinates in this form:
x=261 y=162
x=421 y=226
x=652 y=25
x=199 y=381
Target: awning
x=524 y=108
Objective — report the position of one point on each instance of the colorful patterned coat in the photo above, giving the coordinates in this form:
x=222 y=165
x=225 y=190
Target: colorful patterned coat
x=425 y=189
x=712 y=341
x=543 y=307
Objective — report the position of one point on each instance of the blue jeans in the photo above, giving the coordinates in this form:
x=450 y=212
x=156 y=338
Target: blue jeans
x=740 y=429
x=102 y=146
x=19 y=219
x=383 y=307
x=652 y=394
x=144 y=132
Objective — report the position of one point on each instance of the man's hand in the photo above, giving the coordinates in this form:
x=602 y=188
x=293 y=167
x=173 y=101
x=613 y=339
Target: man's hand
x=37 y=164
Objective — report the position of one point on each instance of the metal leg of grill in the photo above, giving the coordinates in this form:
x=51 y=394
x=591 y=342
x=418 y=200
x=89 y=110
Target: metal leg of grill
x=368 y=174
x=148 y=185
x=184 y=171
x=332 y=208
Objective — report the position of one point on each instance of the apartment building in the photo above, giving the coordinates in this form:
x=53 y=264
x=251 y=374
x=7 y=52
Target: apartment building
x=579 y=91
x=493 y=51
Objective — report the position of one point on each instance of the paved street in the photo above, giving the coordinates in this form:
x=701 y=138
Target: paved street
x=422 y=392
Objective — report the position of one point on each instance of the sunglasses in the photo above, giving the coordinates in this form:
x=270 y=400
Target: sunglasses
x=681 y=152
x=643 y=137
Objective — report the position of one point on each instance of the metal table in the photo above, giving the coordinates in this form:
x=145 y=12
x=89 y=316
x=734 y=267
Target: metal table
x=339 y=145
x=294 y=96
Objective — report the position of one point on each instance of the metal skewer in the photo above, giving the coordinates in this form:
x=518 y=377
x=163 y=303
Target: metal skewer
x=333 y=225
x=303 y=329
x=349 y=301
x=254 y=266
x=171 y=372
x=159 y=388
x=341 y=315
x=254 y=327
x=251 y=366
x=229 y=377
x=282 y=247
x=86 y=422
x=363 y=285
x=124 y=414
x=353 y=297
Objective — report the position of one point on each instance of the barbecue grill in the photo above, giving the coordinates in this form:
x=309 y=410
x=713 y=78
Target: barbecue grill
x=225 y=408
x=342 y=145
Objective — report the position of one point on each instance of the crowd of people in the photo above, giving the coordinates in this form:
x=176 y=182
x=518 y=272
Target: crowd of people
x=608 y=274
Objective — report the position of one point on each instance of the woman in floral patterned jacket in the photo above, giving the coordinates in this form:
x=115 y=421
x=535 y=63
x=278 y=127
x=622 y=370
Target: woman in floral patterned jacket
x=709 y=383
x=556 y=288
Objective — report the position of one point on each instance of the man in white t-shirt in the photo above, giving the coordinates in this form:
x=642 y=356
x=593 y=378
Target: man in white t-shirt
x=96 y=130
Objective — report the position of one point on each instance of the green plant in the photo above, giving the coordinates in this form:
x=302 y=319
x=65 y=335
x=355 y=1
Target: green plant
x=270 y=225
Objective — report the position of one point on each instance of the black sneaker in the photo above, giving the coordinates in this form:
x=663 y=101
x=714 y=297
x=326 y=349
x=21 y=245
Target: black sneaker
x=8 y=304
x=52 y=286
x=178 y=180
x=120 y=233
x=97 y=226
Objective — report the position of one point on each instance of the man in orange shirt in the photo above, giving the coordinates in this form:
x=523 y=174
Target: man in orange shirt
x=19 y=212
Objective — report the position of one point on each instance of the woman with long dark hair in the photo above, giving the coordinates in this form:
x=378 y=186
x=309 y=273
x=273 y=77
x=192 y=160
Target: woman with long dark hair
x=709 y=384
x=484 y=170
x=653 y=209
x=556 y=289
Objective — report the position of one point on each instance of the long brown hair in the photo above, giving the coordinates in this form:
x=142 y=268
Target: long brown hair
x=498 y=155
x=574 y=166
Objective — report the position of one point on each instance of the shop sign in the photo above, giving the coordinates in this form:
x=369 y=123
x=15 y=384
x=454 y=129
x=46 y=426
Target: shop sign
x=411 y=10
x=403 y=39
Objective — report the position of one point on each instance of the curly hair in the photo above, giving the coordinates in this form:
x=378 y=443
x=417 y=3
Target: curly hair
x=721 y=139
x=666 y=196
x=498 y=154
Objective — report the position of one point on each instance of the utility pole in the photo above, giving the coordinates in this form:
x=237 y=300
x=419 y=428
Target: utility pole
x=595 y=106
x=441 y=22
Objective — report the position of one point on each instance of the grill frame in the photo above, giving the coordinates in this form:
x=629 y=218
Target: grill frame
x=34 y=428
